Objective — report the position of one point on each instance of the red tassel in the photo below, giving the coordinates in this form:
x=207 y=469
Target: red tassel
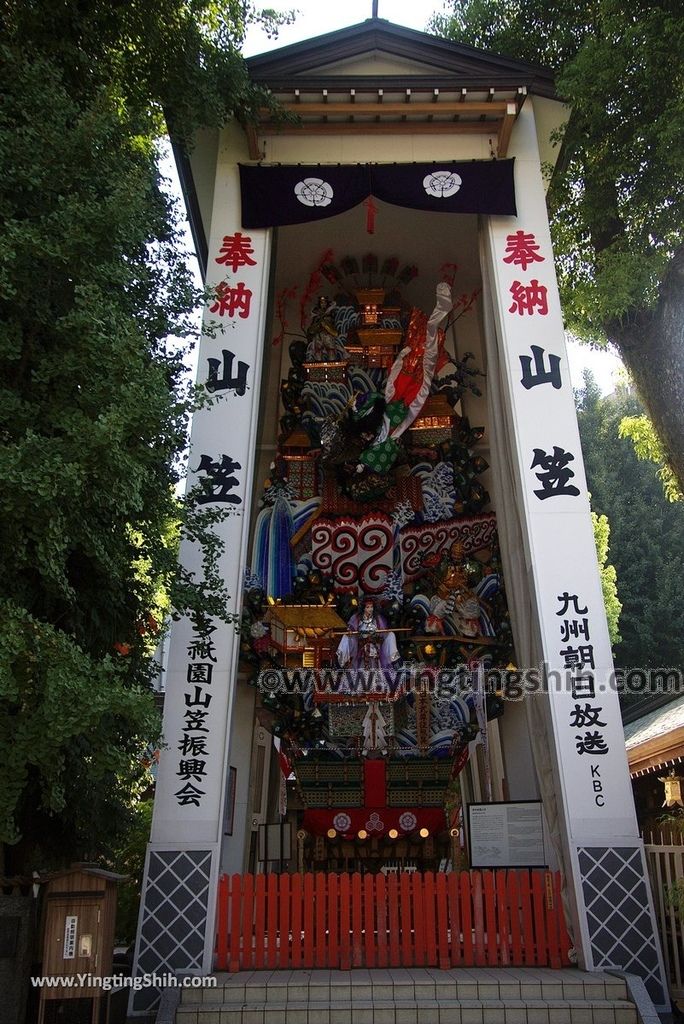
x=371 y=210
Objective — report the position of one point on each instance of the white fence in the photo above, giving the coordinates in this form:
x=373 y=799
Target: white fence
x=666 y=867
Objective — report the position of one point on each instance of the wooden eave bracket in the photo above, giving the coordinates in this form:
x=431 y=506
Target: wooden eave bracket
x=505 y=129
x=253 y=142
x=505 y=113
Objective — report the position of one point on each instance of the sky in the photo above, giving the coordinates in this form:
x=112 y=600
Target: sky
x=315 y=18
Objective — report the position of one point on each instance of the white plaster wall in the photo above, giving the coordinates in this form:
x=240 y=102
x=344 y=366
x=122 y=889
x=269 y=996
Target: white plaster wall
x=234 y=848
x=203 y=164
x=518 y=767
x=549 y=117
x=353 y=149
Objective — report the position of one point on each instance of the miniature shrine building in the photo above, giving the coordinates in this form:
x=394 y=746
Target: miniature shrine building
x=408 y=545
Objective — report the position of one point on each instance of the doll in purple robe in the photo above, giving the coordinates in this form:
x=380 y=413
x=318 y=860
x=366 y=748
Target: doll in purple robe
x=369 y=643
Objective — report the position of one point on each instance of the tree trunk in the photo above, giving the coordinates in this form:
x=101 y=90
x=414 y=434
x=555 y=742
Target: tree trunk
x=651 y=345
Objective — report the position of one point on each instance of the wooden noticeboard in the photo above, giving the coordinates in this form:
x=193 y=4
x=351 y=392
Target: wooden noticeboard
x=78 y=934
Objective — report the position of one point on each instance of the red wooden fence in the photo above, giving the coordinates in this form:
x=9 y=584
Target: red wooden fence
x=471 y=918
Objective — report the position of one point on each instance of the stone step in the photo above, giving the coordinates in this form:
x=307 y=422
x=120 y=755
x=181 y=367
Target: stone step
x=403 y=985
x=411 y=996
x=445 y=1011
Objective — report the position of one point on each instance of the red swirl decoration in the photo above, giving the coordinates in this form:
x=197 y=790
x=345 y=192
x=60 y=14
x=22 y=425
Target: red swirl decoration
x=415 y=542
x=357 y=553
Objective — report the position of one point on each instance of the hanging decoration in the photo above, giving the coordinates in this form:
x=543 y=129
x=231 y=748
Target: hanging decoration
x=295 y=194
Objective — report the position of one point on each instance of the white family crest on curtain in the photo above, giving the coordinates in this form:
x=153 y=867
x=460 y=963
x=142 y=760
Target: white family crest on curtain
x=408 y=821
x=442 y=184
x=314 y=192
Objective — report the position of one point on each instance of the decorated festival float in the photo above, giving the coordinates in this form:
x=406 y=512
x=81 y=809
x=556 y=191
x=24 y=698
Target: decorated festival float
x=392 y=455
x=374 y=602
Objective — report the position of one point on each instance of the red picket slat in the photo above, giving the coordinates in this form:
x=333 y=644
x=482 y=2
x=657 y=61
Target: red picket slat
x=357 y=920
x=260 y=922
x=394 y=932
x=502 y=917
x=515 y=919
x=527 y=912
x=345 y=922
x=272 y=915
x=465 y=907
x=551 y=907
x=408 y=919
x=442 y=904
x=321 y=940
x=478 y=917
x=406 y=922
x=490 y=936
x=222 y=924
x=418 y=915
x=369 y=919
x=541 y=954
x=284 y=922
x=235 y=907
x=296 y=897
x=430 y=919
x=455 y=919
x=381 y=910
x=332 y=962
x=308 y=921
x=247 y=926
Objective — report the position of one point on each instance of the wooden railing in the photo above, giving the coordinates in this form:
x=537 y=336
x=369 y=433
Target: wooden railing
x=468 y=918
x=666 y=868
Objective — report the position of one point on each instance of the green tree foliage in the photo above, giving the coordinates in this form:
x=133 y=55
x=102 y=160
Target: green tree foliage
x=93 y=412
x=617 y=197
x=611 y=601
x=647 y=531
x=647 y=446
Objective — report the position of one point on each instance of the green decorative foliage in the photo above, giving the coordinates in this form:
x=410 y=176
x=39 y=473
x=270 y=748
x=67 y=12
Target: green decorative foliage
x=93 y=410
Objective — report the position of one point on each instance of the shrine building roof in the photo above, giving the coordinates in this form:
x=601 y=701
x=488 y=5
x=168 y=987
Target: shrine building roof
x=376 y=77
x=656 y=739
x=380 y=79
x=426 y=57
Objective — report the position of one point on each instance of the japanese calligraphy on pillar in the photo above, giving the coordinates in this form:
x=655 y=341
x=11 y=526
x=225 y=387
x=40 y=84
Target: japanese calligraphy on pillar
x=575 y=639
x=234 y=299
x=193 y=739
x=539 y=367
x=202 y=655
x=585 y=718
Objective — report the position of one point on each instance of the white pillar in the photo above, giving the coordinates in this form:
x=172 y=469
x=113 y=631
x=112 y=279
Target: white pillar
x=177 y=916
x=611 y=900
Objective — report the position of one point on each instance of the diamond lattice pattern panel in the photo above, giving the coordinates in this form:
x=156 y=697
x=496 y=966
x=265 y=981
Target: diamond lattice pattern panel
x=176 y=903
x=617 y=903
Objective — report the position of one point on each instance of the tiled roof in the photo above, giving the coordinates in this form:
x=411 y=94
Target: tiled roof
x=655 y=723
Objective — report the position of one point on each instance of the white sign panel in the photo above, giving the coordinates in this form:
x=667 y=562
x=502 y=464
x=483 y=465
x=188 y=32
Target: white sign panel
x=70 y=927
x=506 y=835
x=203 y=653
x=585 y=711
